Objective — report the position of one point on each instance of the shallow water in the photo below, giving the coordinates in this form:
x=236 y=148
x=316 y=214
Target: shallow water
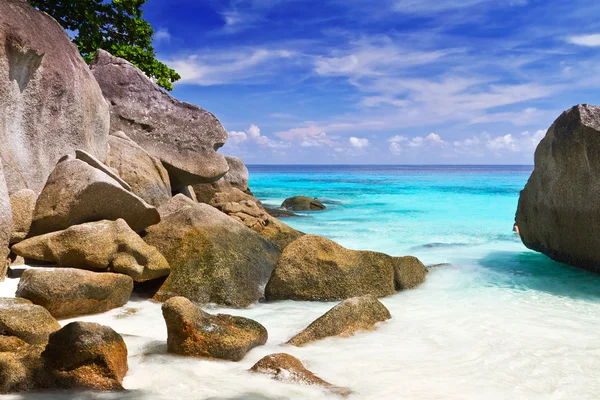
x=501 y=322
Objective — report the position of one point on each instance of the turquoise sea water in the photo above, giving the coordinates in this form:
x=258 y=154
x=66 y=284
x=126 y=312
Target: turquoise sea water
x=500 y=322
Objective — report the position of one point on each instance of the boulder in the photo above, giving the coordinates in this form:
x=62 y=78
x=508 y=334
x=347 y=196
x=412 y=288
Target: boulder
x=317 y=269
x=235 y=178
x=558 y=209
x=23 y=205
x=286 y=368
x=302 y=203
x=68 y=292
x=49 y=101
x=94 y=162
x=11 y=344
x=6 y=223
x=22 y=370
x=249 y=211
x=409 y=272
x=351 y=315
x=193 y=332
x=30 y=323
x=145 y=174
x=213 y=258
x=98 y=246
x=85 y=355
x=77 y=193
x=183 y=136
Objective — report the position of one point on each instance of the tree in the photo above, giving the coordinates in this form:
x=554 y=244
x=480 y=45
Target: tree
x=116 y=26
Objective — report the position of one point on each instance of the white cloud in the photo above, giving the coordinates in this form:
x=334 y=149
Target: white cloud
x=253 y=135
x=359 y=143
x=592 y=40
x=524 y=143
x=162 y=35
x=236 y=137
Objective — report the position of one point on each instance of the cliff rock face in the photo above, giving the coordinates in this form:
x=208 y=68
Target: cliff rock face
x=183 y=136
x=558 y=210
x=50 y=104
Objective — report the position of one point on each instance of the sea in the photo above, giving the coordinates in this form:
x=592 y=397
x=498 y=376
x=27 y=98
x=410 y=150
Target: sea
x=493 y=320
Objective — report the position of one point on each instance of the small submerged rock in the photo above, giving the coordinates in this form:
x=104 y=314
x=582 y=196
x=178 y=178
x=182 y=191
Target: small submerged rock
x=286 y=368
x=348 y=317
x=69 y=292
x=302 y=203
x=193 y=332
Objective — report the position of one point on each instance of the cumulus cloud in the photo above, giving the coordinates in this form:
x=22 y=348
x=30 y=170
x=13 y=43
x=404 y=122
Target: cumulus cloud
x=162 y=35
x=592 y=40
x=359 y=143
x=253 y=135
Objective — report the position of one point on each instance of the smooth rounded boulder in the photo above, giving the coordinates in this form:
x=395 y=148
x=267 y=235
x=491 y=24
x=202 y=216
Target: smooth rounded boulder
x=302 y=203
x=98 y=246
x=213 y=258
x=86 y=355
x=286 y=368
x=68 y=292
x=193 y=332
x=315 y=268
x=346 y=318
x=183 y=136
x=49 y=101
x=6 y=226
x=77 y=192
x=235 y=178
x=23 y=206
x=28 y=322
x=145 y=174
x=558 y=212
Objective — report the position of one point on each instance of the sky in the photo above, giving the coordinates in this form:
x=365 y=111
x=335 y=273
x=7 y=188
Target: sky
x=382 y=81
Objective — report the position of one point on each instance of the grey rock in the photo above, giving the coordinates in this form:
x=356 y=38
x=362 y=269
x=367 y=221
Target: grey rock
x=302 y=203
x=49 y=101
x=235 y=178
x=145 y=174
x=558 y=211
x=76 y=193
x=68 y=292
x=183 y=136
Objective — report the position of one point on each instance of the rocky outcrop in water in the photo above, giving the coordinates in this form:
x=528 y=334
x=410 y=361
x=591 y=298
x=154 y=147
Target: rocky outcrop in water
x=302 y=203
x=183 y=136
x=98 y=246
x=77 y=192
x=193 y=332
x=68 y=292
x=558 y=208
x=348 y=317
x=213 y=258
x=314 y=268
x=49 y=101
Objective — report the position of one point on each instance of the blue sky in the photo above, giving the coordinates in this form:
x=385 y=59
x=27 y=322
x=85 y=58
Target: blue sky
x=382 y=82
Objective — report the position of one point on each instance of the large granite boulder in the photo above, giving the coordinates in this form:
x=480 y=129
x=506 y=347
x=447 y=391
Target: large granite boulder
x=249 y=211
x=193 y=332
x=213 y=258
x=286 y=368
x=302 y=203
x=6 y=224
x=77 y=192
x=409 y=272
x=315 y=268
x=235 y=178
x=23 y=205
x=558 y=208
x=351 y=315
x=67 y=292
x=86 y=355
x=145 y=174
x=22 y=369
x=49 y=101
x=28 y=322
x=98 y=246
x=183 y=136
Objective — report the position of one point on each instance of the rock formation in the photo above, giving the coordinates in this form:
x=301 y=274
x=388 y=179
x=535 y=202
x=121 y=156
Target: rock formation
x=6 y=223
x=183 y=136
x=558 y=208
x=77 y=192
x=213 y=258
x=235 y=178
x=314 y=268
x=67 y=292
x=49 y=101
x=193 y=332
x=28 y=322
x=145 y=174
x=351 y=315
x=23 y=205
x=302 y=203
x=98 y=246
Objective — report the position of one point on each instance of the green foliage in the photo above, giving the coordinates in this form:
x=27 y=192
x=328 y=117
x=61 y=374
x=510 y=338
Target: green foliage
x=116 y=26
